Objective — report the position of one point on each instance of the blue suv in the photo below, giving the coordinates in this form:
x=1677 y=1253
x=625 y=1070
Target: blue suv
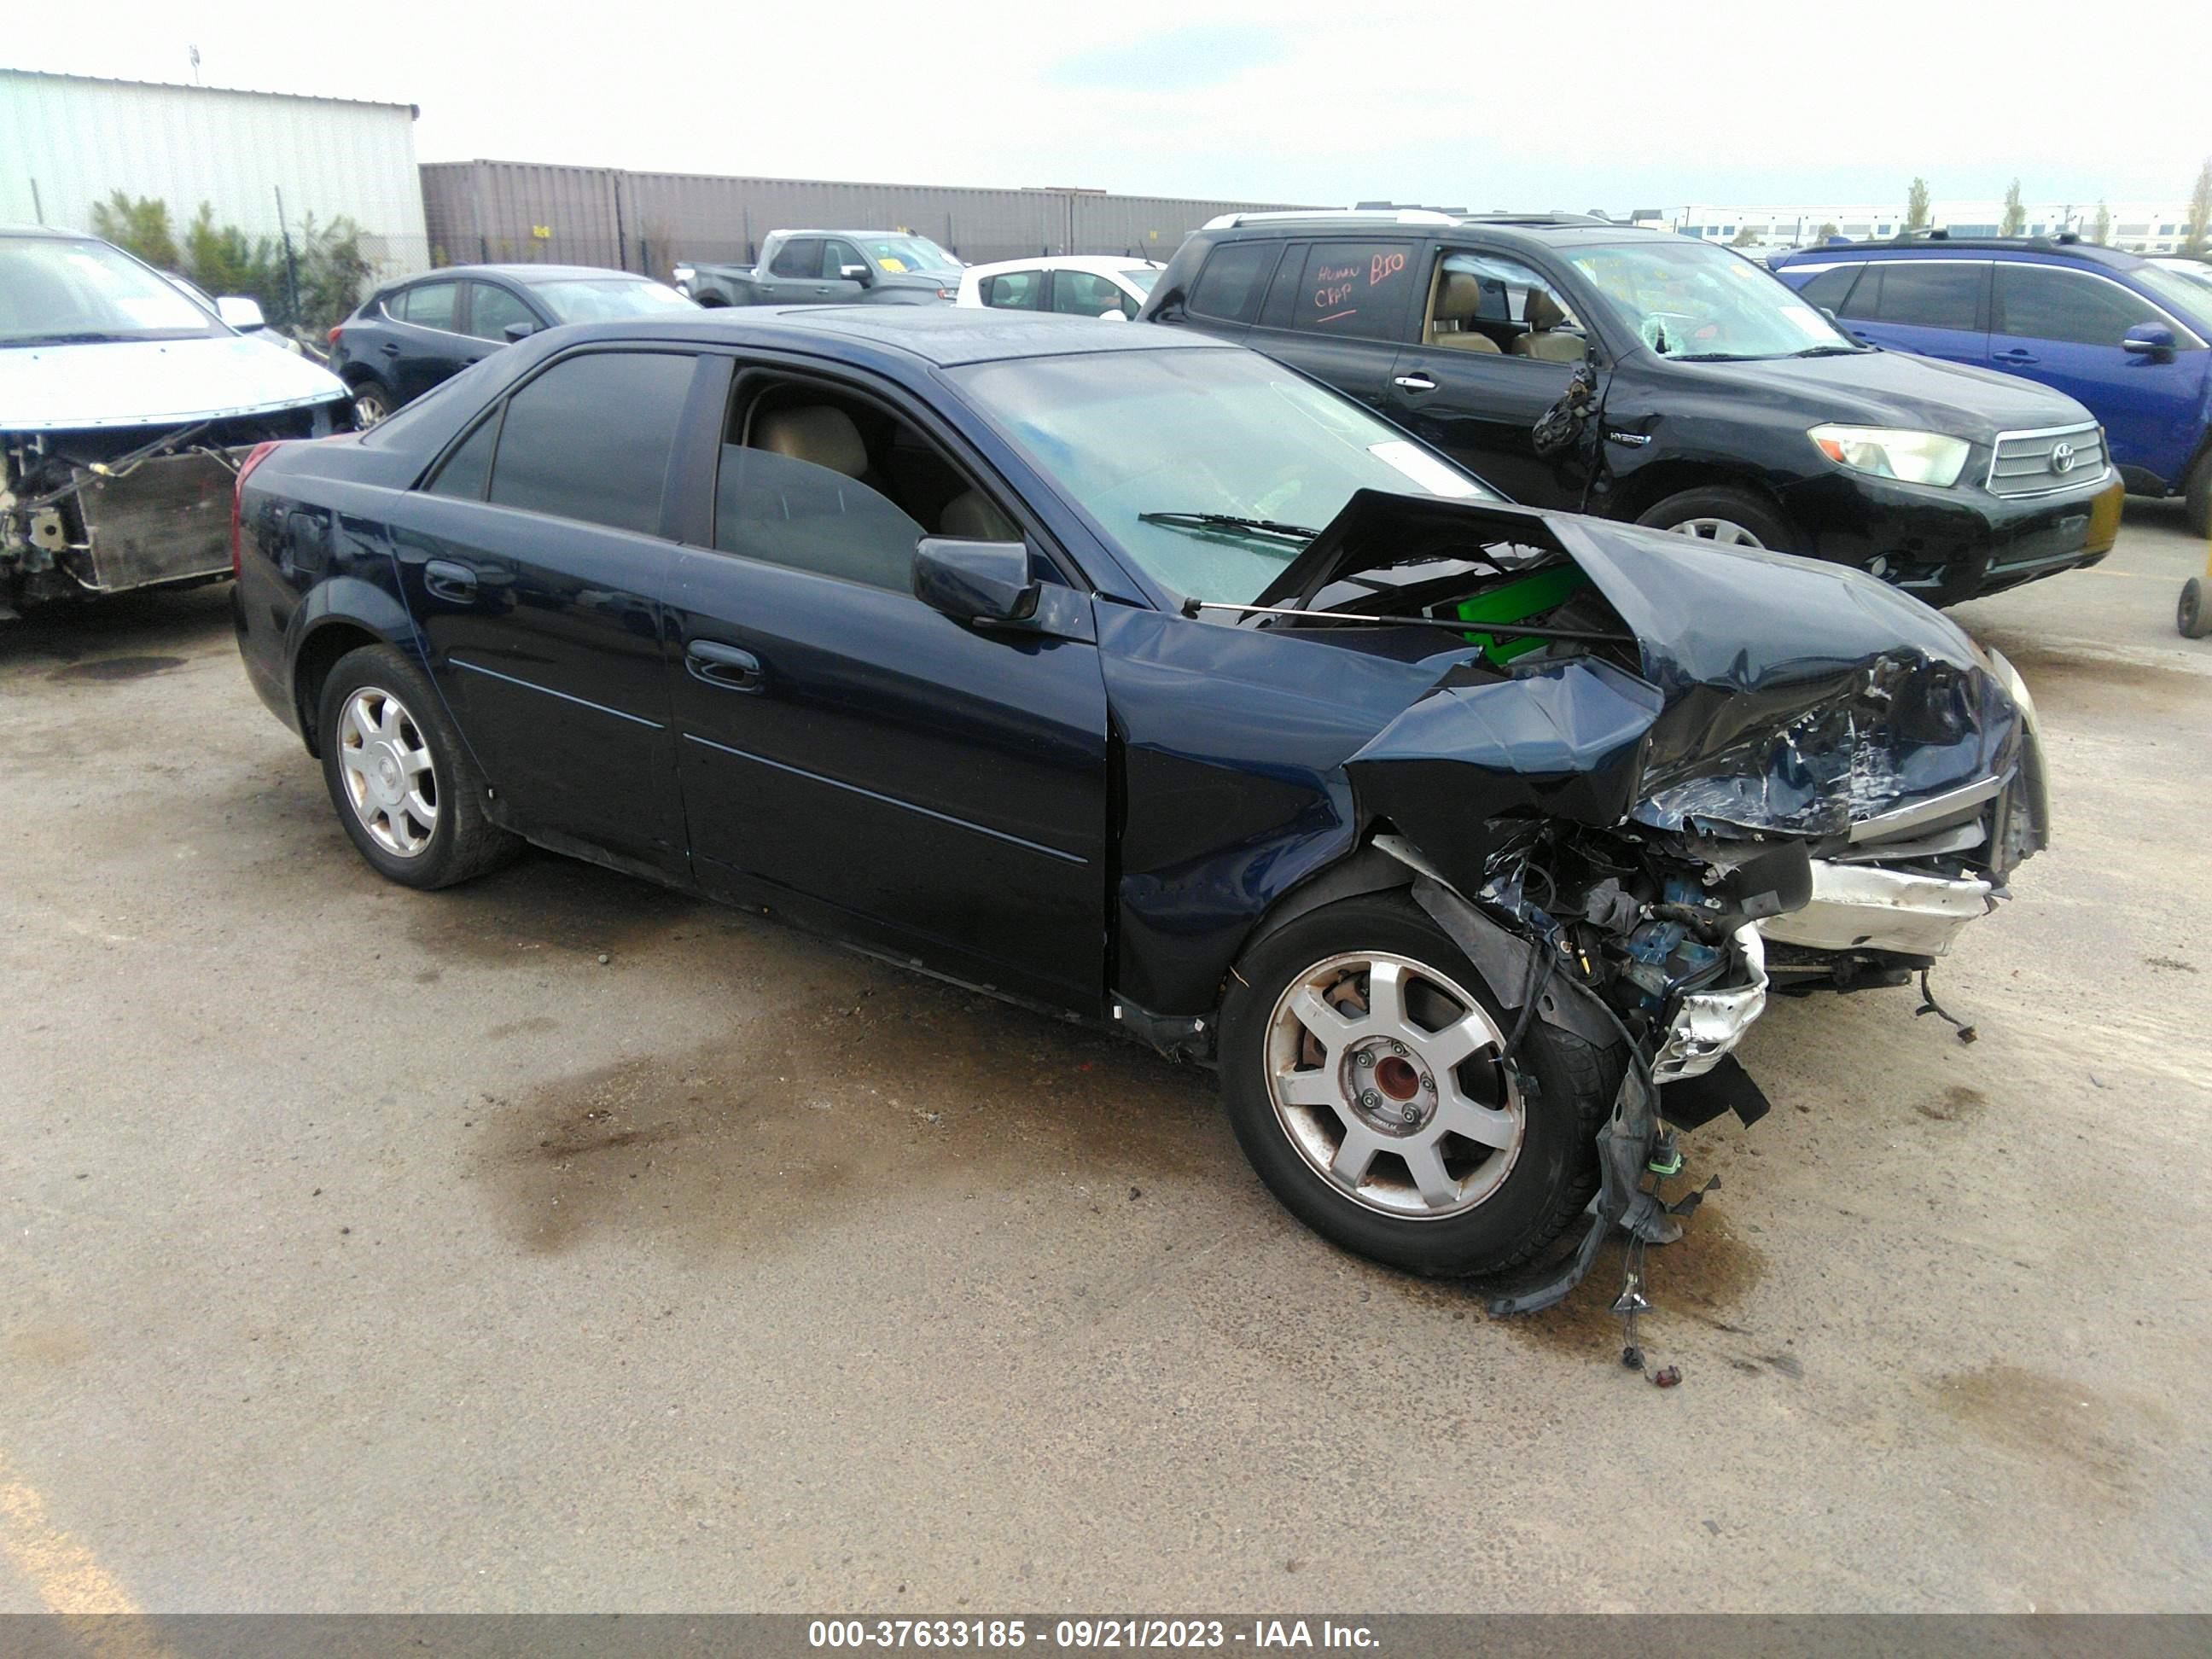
x=2120 y=334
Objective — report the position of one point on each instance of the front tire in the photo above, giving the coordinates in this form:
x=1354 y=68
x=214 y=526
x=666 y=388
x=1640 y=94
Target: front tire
x=1728 y=518
x=2196 y=495
x=403 y=784
x=373 y=404
x=1360 y=1066
x=2191 y=616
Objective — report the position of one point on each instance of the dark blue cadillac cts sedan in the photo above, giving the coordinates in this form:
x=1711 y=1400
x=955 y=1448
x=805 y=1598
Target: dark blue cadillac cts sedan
x=1137 y=678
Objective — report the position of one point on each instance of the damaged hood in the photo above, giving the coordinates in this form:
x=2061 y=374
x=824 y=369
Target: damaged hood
x=154 y=383
x=1773 y=693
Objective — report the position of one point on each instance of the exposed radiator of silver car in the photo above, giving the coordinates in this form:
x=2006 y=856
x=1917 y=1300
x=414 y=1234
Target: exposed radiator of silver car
x=166 y=520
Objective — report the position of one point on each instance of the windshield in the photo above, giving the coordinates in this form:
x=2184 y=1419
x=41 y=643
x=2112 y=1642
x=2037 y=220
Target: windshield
x=1128 y=435
x=898 y=253
x=56 y=292
x=1142 y=277
x=1690 y=300
x=2187 y=290
x=595 y=299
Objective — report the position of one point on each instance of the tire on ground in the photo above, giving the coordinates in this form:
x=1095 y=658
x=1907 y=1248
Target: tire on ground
x=1738 y=507
x=464 y=843
x=1567 y=1087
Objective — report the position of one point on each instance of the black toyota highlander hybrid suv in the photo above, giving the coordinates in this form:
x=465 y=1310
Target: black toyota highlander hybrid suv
x=1579 y=363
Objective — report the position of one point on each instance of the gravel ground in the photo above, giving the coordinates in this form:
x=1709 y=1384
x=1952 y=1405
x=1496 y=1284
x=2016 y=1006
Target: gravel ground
x=559 y=1242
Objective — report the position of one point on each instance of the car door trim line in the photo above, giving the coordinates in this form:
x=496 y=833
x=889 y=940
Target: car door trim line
x=888 y=800
x=532 y=685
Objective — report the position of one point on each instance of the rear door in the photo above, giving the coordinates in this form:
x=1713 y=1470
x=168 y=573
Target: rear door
x=927 y=787
x=1937 y=307
x=534 y=562
x=2063 y=327
x=1340 y=310
x=424 y=343
x=1480 y=372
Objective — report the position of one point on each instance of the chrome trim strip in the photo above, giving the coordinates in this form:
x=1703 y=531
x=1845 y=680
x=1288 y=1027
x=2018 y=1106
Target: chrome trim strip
x=888 y=800
x=532 y=685
x=1906 y=817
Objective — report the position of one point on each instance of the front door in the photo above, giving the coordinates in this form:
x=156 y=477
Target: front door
x=534 y=563
x=927 y=787
x=1498 y=345
x=2064 y=329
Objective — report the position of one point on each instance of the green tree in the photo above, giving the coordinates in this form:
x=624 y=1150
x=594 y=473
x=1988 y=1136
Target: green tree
x=2100 y=230
x=224 y=260
x=140 y=227
x=1826 y=231
x=1743 y=238
x=1915 y=205
x=332 y=270
x=2015 y=215
x=2199 y=233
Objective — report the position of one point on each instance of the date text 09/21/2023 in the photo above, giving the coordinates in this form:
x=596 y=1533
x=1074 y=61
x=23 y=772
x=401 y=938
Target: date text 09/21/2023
x=1084 y=1634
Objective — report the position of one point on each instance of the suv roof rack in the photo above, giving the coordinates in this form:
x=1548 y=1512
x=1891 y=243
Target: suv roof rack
x=2064 y=238
x=1363 y=216
x=1540 y=219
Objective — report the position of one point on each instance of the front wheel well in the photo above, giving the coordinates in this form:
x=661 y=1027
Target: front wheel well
x=1645 y=488
x=319 y=653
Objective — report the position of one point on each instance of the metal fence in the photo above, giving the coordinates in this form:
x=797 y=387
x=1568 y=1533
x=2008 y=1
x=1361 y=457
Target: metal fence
x=499 y=212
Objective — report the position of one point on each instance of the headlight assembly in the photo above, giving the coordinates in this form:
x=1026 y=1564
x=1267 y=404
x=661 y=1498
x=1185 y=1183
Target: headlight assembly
x=1923 y=457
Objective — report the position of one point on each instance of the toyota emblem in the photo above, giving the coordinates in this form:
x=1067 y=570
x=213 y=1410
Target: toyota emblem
x=2062 y=458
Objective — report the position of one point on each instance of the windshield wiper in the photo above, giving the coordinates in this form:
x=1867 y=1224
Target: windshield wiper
x=1829 y=351
x=1228 y=521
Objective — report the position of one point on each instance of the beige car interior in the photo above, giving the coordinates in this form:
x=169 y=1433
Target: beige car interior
x=1548 y=338
x=1456 y=322
x=1453 y=303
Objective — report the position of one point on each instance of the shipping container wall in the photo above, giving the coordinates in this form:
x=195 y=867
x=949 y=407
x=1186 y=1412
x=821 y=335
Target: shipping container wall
x=506 y=211
x=67 y=141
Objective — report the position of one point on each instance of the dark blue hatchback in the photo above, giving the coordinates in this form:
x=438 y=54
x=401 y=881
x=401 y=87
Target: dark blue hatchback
x=2119 y=333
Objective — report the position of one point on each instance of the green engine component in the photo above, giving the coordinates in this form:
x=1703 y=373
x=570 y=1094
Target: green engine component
x=1518 y=601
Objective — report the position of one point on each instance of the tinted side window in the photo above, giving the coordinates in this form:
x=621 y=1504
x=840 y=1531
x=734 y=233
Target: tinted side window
x=590 y=437
x=1229 y=287
x=1356 y=288
x=1828 y=289
x=1927 y=293
x=468 y=468
x=801 y=257
x=784 y=510
x=1014 y=290
x=2045 y=304
x=491 y=309
x=1079 y=293
x=431 y=305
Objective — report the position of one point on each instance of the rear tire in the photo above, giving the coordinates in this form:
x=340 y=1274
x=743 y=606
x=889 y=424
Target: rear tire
x=2196 y=495
x=399 y=776
x=1318 y=1115
x=1734 y=517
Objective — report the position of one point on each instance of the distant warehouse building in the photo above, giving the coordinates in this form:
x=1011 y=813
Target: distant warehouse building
x=501 y=211
x=67 y=141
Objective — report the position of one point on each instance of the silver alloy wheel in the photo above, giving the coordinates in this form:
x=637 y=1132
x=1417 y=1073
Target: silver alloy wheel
x=368 y=408
x=389 y=779
x=1727 y=531
x=1385 y=1075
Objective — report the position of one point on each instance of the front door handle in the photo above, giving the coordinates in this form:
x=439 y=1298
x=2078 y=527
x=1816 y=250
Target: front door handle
x=1416 y=381
x=724 y=666
x=446 y=580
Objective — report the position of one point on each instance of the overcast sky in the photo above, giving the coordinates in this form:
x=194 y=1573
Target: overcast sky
x=1532 y=105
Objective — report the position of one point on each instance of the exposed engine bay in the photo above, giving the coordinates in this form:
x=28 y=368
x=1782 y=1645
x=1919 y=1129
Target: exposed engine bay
x=114 y=508
x=1675 y=777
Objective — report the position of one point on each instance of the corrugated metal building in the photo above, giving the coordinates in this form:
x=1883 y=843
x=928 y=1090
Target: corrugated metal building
x=67 y=141
x=514 y=210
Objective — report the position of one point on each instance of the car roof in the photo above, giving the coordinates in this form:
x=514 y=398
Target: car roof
x=50 y=232
x=1529 y=230
x=1100 y=264
x=525 y=275
x=942 y=336
x=1936 y=247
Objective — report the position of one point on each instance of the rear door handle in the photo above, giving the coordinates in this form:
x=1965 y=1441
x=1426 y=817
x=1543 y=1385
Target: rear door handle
x=390 y=348
x=2014 y=355
x=446 y=580
x=724 y=666
x=1415 y=382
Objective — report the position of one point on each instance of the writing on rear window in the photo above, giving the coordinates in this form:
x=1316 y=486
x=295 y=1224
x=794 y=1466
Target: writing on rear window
x=1353 y=289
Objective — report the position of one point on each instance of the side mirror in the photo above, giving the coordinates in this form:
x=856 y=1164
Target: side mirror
x=981 y=582
x=860 y=274
x=2152 y=340
x=240 y=313
x=520 y=331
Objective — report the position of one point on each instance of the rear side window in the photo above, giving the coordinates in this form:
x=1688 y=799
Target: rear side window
x=431 y=305
x=1012 y=290
x=2042 y=303
x=467 y=470
x=1229 y=286
x=1827 y=290
x=591 y=437
x=801 y=257
x=1355 y=289
x=1922 y=294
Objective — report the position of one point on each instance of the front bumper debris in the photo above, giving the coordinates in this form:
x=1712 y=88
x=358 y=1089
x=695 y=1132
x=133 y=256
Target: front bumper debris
x=1865 y=907
x=1710 y=1024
